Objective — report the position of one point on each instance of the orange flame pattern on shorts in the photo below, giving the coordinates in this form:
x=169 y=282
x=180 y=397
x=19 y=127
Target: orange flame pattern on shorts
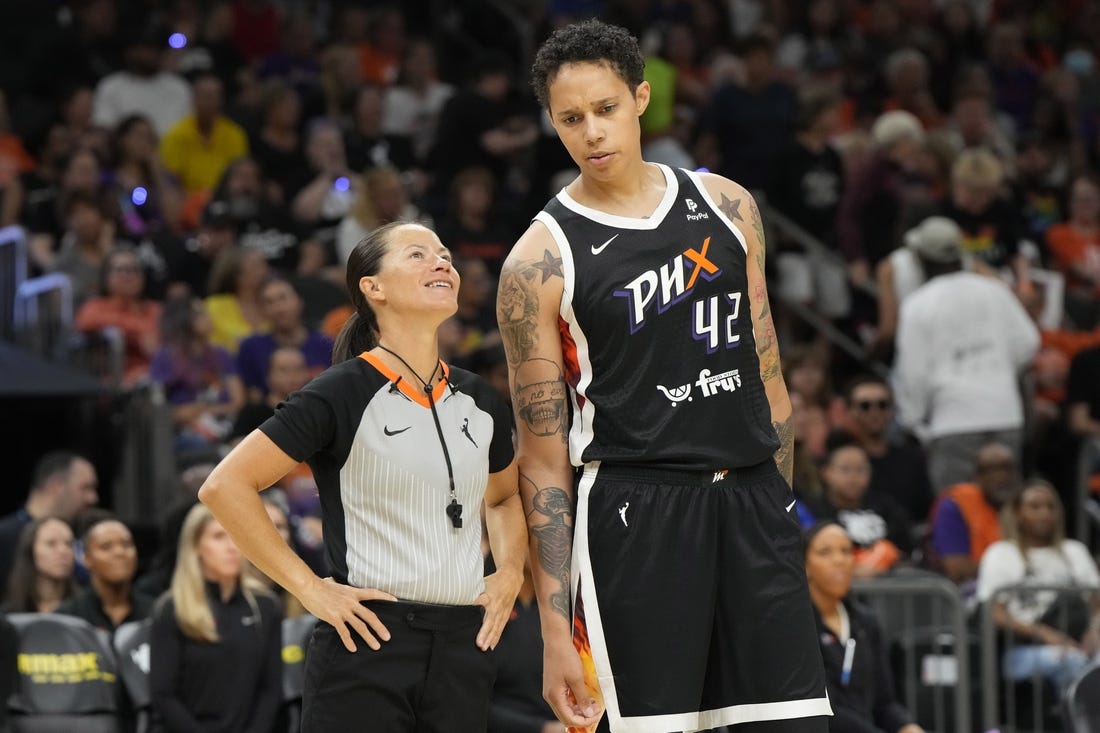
x=584 y=649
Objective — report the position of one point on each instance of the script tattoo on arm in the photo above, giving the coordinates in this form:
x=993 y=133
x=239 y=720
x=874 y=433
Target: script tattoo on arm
x=553 y=535
x=767 y=344
x=518 y=303
x=539 y=398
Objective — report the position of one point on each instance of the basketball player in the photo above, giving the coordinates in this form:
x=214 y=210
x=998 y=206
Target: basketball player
x=641 y=351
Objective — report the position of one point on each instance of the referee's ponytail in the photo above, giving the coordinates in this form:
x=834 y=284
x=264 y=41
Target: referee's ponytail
x=360 y=332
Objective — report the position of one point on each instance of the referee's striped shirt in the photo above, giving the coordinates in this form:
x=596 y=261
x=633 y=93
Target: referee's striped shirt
x=372 y=444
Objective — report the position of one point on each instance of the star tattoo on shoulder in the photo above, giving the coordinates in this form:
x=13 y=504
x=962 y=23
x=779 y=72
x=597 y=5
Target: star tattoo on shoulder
x=549 y=266
x=731 y=208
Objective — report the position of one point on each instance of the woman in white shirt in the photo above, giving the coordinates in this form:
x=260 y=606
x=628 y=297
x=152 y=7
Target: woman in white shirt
x=1035 y=552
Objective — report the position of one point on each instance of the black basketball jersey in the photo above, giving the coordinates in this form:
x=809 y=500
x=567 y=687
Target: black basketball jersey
x=657 y=334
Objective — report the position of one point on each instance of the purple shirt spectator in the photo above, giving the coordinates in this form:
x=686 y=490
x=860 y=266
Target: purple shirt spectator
x=255 y=352
x=950 y=535
x=189 y=380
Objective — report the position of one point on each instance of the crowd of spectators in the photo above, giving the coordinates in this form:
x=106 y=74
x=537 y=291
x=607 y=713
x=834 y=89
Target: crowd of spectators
x=201 y=168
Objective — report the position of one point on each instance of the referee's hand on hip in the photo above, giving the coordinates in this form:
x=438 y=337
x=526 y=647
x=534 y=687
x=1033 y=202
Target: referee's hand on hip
x=342 y=607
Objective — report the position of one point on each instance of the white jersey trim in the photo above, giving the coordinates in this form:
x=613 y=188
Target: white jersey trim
x=698 y=181
x=581 y=433
x=629 y=222
x=701 y=720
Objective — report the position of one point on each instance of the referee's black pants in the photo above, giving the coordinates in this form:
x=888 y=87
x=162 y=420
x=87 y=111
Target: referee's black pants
x=430 y=677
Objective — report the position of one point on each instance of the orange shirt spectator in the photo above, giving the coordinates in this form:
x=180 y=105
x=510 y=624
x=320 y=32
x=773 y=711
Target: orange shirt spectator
x=123 y=307
x=1077 y=254
x=139 y=323
x=13 y=155
x=1075 y=244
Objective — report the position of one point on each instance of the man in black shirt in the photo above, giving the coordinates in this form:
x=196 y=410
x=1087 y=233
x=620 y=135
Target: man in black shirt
x=483 y=126
x=807 y=186
x=1083 y=403
x=64 y=484
x=898 y=467
x=1083 y=393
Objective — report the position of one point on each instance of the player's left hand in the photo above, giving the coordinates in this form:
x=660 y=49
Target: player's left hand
x=498 y=600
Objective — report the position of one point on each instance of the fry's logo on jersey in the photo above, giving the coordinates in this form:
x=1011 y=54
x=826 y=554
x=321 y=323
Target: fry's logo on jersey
x=669 y=285
x=708 y=385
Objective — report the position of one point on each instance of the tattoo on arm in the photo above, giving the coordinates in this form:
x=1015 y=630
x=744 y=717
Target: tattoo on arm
x=549 y=266
x=554 y=541
x=518 y=303
x=732 y=209
x=767 y=344
x=784 y=457
x=539 y=395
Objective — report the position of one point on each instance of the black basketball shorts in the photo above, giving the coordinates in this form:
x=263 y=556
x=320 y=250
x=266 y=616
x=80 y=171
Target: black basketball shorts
x=691 y=604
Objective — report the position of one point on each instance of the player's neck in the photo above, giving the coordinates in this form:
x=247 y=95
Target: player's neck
x=635 y=185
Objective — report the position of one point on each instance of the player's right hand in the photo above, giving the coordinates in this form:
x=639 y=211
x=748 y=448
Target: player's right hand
x=564 y=688
x=342 y=607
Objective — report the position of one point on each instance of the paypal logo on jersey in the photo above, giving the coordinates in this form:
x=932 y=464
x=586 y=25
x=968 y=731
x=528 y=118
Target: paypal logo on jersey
x=669 y=284
x=692 y=208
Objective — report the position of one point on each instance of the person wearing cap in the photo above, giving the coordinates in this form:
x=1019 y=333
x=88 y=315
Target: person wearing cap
x=190 y=263
x=143 y=86
x=963 y=339
x=903 y=271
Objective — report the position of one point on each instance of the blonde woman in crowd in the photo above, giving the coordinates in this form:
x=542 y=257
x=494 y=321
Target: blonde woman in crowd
x=216 y=643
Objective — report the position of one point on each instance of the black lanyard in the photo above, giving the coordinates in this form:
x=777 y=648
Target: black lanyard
x=454 y=509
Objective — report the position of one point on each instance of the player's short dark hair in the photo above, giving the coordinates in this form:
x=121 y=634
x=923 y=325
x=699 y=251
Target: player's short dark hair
x=592 y=41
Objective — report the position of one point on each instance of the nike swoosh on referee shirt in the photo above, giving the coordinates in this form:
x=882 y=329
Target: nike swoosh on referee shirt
x=387 y=431
x=596 y=250
x=791 y=505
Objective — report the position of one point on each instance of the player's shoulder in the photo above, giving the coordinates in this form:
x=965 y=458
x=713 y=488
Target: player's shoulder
x=535 y=259
x=340 y=381
x=717 y=184
x=535 y=240
x=736 y=204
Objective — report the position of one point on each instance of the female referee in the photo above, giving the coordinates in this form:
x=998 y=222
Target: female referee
x=404 y=449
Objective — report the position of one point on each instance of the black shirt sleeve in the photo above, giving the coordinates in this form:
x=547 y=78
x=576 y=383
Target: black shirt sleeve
x=305 y=422
x=1084 y=376
x=165 y=668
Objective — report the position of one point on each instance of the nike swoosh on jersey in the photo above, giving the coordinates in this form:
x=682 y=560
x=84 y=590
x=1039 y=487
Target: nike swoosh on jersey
x=387 y=431
x=791 y=505
x=596 y=250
